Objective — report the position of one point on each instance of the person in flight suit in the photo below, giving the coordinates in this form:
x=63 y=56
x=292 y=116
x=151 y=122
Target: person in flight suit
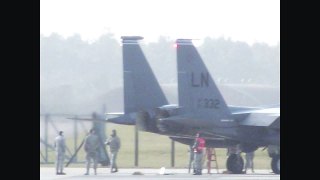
x=114 y=143
x=60 y=147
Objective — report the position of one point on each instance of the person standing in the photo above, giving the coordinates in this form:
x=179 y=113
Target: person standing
x=114 y=143
x=91 y=145
x=249 y=161
x=198 y=149
x=60 y=147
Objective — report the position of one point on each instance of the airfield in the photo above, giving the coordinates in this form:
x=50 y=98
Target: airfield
x=149 y=150
x=48 y=173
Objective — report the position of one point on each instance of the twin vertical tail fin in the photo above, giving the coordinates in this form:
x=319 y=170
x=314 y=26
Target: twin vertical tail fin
x=198 y=93
x=141 y=88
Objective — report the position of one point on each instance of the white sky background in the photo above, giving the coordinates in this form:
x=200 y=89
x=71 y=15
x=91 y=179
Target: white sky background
x=241 y=20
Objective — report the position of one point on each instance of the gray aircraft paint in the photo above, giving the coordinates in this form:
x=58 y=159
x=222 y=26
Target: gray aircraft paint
x=205 y=107
x=141 y=88
x=198 y=94
x=201 y=104
x=142 y=91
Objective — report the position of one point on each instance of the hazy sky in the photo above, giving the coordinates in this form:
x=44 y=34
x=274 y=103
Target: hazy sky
x=243 y=20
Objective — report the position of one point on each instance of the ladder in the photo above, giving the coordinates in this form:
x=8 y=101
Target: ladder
x=211 y=157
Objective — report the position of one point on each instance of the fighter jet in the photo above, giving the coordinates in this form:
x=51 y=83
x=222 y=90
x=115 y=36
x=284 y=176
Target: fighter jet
x=144 y=100
x=147 y=107
x=202 y=106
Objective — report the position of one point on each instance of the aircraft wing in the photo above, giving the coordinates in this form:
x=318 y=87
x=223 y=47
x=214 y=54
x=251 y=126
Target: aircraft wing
x=264 y=117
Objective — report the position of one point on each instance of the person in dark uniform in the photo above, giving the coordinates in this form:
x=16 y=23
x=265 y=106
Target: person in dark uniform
x=91 y=145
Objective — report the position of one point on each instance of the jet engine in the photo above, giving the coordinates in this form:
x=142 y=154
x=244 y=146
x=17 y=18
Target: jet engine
x=145 y=122
x=168 y=127
x=150 y=121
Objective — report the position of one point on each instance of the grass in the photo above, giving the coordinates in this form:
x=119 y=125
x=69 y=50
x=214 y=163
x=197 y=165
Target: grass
x=154 y=151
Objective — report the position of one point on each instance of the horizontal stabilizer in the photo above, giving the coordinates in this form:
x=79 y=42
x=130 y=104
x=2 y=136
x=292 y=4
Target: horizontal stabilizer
x=88 y=119
x=124 y=120
x=261 y=119
x=115 y=113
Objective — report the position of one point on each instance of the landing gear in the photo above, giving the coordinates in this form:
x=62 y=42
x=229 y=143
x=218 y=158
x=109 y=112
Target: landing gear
x=275 y=164
x=235 y=163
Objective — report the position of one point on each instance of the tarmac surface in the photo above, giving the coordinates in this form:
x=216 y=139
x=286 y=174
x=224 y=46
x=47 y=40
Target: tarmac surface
x=104 y=173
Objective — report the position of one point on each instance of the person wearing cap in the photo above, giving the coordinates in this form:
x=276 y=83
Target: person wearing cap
x=91 y=145
x=114 y=142
x=60 y=147
x=198 y=149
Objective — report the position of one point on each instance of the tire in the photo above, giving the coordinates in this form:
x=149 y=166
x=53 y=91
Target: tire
x=275 y=164
x=235 y=163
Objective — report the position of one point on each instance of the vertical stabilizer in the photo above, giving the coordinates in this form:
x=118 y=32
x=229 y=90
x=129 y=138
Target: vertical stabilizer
x=141 y=88
x=198 y=93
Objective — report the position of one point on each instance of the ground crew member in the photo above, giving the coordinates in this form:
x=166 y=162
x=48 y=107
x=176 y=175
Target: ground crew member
x=60 y=147
x=249 y=161
x=91 y=145
x=198 y=149
x=273 y=150
x=114 y=143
